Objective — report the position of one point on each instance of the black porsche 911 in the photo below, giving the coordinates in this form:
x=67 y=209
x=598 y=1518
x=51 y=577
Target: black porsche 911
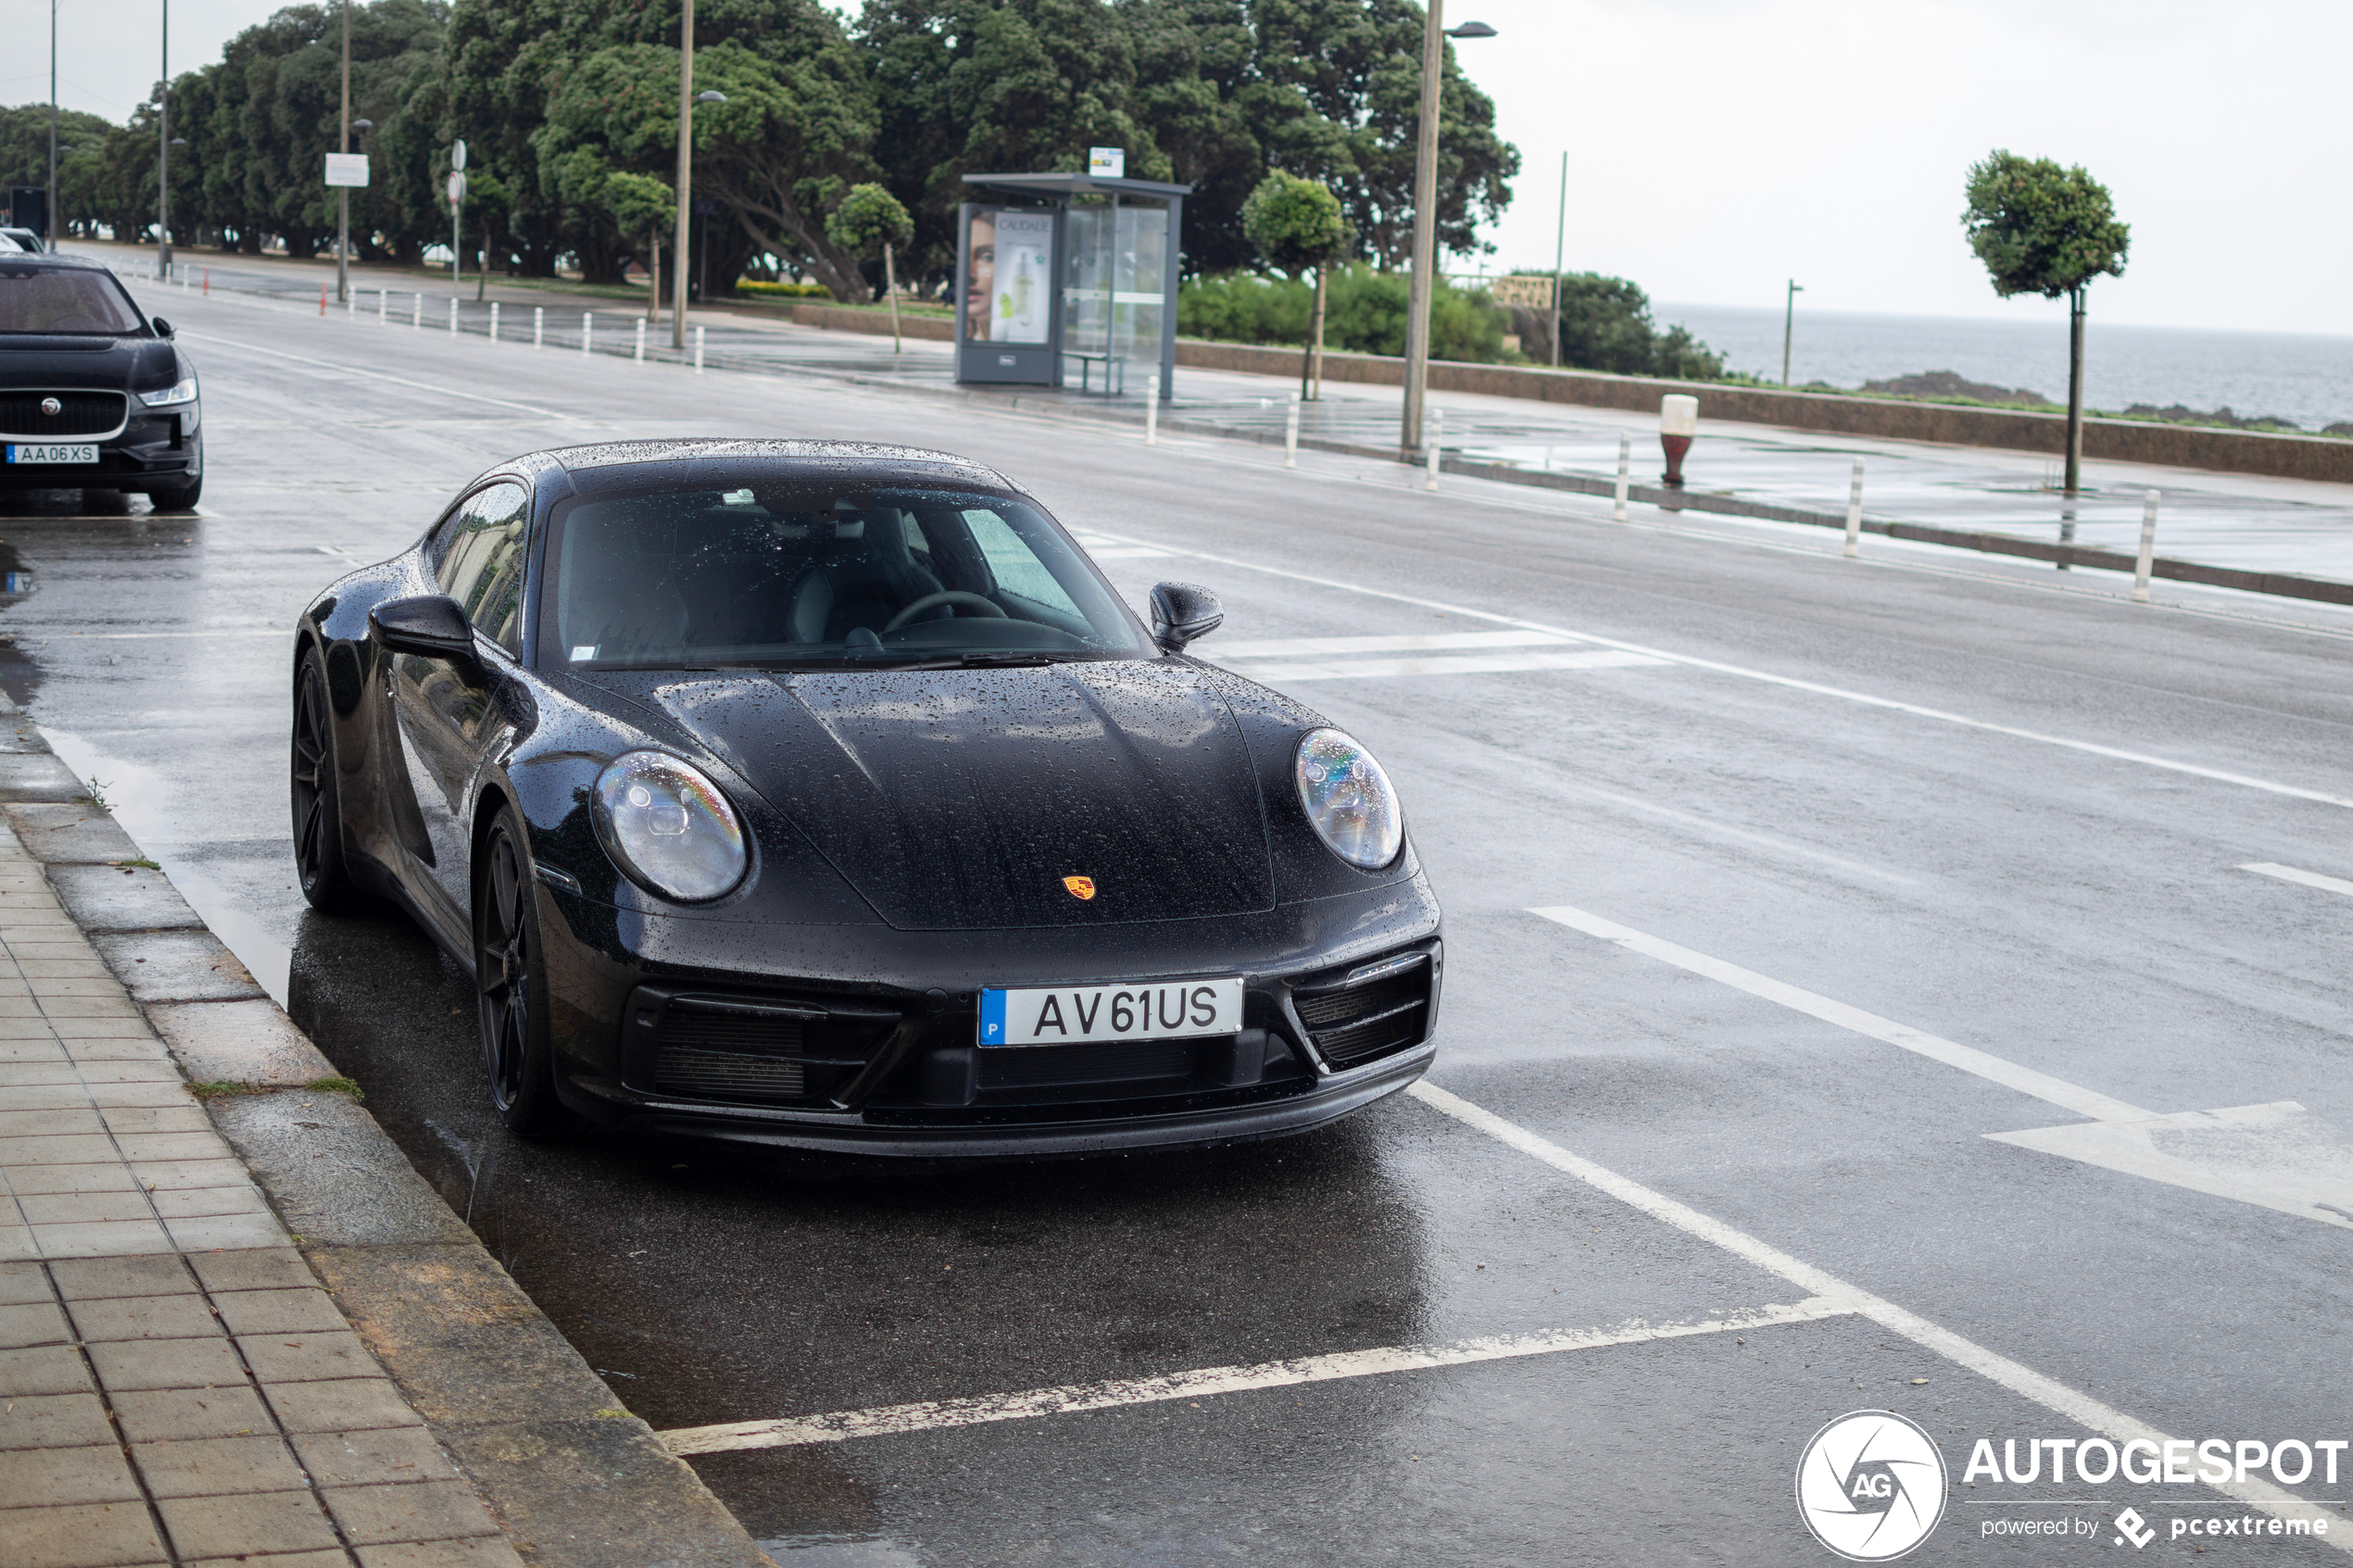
x=94 y=394
x=826 y=796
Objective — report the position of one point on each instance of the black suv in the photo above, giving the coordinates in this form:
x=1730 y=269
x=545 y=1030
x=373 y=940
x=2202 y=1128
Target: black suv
x=94 y=395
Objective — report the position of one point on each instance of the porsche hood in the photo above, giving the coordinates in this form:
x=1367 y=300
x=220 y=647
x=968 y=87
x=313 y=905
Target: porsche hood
x=1076 y=793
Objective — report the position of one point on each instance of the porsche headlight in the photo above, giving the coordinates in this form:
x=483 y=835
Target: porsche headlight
x=669 y=828
x=171 y=396
x=1349 y=800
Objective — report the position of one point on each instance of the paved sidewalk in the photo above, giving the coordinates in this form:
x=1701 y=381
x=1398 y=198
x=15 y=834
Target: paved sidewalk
x=176 y=1386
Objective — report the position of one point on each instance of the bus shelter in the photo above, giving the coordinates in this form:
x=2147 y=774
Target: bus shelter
x=1067 y=277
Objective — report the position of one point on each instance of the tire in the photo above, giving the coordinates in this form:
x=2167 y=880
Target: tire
x=511 y=987
x=182 y=499
x=320 y=866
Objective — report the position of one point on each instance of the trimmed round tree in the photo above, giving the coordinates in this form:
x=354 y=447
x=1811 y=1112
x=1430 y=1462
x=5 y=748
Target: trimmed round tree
x=868 y=220
x=2041 y=228
x=1296 y=225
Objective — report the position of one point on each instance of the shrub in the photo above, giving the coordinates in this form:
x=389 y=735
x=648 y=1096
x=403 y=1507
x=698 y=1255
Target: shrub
x=782 y=291
x=1364 y=313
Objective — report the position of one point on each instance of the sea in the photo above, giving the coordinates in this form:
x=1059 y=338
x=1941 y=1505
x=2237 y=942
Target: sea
x=2304 y=380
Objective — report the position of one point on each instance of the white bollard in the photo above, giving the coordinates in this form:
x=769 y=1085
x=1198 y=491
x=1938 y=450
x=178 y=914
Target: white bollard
x=640 y=354
x=538 y=326
x=494 y=320
x=1625 y=457
x=453 y=315
x=351 y=305
x=1855 y=511
x=1152 y=410
x=587 y=326
x=383 y=307
x=2148 y=550
x=699 y=350
x=417 y=321
x=1291 y=434
x=1431 y=446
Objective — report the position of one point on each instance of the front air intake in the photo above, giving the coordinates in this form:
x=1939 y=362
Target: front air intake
x=1379 y=1016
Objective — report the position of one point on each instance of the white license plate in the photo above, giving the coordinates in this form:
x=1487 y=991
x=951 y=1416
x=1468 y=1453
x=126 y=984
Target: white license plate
x=1143 y=1009
x=27 y=452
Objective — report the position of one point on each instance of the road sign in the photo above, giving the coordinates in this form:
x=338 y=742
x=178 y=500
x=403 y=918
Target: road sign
x=348 y=168
x=457 y=188
x=1107 y=163
x=457 y=154
x=1536 y=294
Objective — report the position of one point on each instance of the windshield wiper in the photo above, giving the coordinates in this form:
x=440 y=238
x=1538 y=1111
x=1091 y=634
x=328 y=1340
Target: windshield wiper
x=1003 y=659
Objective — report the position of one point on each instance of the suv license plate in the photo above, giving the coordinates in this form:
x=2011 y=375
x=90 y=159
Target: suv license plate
x=27 y=452
x=1138 y=1010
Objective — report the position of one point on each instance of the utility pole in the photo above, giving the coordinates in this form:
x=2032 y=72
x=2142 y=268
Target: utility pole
x=342 y=193
x=2075 y=389
x=1560 y=253
x=163 y=155
x=52 y=235
x=1789 y=324
x=679 y=237
x=1418 y=309
x=1417 y=313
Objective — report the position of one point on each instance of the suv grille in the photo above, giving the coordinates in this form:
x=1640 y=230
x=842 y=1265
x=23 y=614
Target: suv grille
x=719 y=1047
x=84 y=413
x=1357 y=1024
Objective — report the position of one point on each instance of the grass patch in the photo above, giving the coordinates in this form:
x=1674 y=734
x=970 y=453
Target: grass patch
x=336 y=1086
x=140 y=864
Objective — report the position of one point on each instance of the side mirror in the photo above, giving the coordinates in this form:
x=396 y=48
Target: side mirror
x=431 y=625
x=1183 y=613
x=162 y=327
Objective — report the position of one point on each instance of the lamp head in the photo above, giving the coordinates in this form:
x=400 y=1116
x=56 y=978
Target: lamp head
x=1471 y=29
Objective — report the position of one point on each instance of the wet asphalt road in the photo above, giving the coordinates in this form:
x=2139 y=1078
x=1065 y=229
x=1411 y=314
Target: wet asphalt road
x=2041 y=891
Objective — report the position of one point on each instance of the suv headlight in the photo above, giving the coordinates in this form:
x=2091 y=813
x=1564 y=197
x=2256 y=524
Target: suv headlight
x=669 y=828
x=1349 y=800
x=171 y=396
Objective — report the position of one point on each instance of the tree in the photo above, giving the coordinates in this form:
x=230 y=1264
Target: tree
x=1296 y=226
x=2043 y=229
x=1607 y=325
x=869 y=217
x=641 y=205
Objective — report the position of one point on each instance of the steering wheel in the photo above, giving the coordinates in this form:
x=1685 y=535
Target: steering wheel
x=933 y=601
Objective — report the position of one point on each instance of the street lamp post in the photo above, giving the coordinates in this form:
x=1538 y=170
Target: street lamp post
x=163 y=154
x=1789 y=324
x=342 y=193
x=1417 y=313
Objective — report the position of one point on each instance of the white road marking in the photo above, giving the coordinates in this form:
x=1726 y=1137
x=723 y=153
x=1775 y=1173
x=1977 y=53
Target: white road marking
x=1791 y=683
x=2278 y=1155
x=840 y=1426
x=33 y=634
x=2020 y=1379
x=2025 y=1080
x=2310 y=879
x=1280 y=671
x=1413 y=642
x=441 y=389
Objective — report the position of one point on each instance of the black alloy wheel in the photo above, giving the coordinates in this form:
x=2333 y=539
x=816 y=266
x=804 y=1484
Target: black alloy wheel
x=512 y=993
x=317 y=805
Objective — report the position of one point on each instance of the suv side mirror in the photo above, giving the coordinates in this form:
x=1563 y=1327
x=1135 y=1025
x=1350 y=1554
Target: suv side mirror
x=431 y=625
x=162 y=327
x=1182 y=613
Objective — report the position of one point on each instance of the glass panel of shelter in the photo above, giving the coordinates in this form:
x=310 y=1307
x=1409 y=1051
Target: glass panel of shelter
x=1113 y=298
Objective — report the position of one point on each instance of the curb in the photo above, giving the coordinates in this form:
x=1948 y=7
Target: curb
x=573 y=1479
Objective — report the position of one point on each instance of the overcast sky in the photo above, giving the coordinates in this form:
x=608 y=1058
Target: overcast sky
x=1719 y=148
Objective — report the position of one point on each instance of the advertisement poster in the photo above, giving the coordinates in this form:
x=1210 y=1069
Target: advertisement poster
x=1008 y=271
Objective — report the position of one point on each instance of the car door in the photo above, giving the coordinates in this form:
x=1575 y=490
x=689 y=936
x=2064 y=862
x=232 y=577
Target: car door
x=446 y=708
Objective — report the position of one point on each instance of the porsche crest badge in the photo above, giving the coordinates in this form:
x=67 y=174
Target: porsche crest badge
x=1081 y=887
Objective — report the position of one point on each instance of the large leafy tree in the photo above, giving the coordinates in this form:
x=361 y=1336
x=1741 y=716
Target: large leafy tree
x=2041 y=227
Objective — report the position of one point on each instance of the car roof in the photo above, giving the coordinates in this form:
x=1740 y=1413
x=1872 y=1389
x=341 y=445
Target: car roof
x=51 y=258
x=603 y=465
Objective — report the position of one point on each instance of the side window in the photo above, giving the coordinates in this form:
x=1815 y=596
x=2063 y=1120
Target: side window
x=481 y=564
x=1016 y=566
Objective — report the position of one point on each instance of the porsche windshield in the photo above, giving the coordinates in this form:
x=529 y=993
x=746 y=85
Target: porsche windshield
x=63 y=299
x=795 y=573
